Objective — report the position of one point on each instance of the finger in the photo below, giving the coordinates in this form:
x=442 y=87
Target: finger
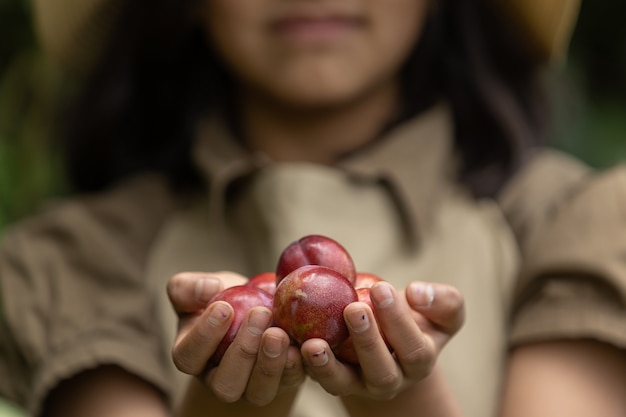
x=381 y=373
x=443 y=305
x=321 y=365
x=197 y=340
x=230 y=279
x=293 y=374
x=413 y=349
x=229 y=380
x=267 y=373
x=191 y=291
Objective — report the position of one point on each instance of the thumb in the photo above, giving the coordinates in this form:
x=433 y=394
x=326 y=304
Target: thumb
x=442 y=304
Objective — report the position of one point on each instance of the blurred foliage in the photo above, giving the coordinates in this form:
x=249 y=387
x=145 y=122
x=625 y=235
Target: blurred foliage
x=17 y=35
x=29 y=164
x=9 y=410
x=590 y=100
x=29 y=169
x=29 y=95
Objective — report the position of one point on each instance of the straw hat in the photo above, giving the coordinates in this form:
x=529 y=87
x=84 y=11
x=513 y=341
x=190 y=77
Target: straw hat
x=72 y=31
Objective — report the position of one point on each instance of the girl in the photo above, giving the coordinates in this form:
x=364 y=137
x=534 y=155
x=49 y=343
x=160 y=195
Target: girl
x=210 y=134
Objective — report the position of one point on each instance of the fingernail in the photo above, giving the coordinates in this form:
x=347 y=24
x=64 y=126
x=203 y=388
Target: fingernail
x=258 y=321
x=381 y=295
x=273 y=346
x=220 y=313
x=423 y=294
x=319 y=358
x=358 y=320
x=206 y=288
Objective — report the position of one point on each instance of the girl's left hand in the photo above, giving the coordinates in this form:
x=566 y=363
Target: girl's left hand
x=250 y=369
x=417 y=323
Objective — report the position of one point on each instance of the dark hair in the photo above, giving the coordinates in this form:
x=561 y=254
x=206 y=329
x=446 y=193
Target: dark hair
x=158 y=76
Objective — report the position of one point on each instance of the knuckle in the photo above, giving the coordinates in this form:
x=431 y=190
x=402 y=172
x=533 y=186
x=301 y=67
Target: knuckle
x=395 y=317
x=292 y=380
x=225 y=393
x=321 y=373
x=184 y=362
x=270 y=371
x=257 y=400
x=336 y=390
x=390 y=319
x=420 y=354
x=367 y=342
x=292 y=377
x=386 y=386
x=247 y=351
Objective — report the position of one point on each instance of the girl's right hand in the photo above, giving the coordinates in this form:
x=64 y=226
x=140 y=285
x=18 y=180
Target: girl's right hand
x=416 y=323
x=259 y=364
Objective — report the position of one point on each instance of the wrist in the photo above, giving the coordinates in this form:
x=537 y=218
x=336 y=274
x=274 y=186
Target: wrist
x=431 y=396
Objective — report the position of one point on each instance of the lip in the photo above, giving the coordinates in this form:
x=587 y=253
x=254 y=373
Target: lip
x=314 y=25
x=314 y=29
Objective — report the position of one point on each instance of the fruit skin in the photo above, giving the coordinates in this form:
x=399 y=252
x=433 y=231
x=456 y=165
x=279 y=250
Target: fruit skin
x=265 y=281
x=366 y=280
x=309 y=303
x=316 y=250
x=242 y=298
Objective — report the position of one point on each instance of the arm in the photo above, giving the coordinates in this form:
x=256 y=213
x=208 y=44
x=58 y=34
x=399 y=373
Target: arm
x=566 y=378
x=103 y=392
x=199 y=399
x=431 y=397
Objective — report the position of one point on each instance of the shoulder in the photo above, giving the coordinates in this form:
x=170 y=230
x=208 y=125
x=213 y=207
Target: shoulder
x=555 y=193
x=128 y=214
x=569 y=220
x=583 y=231
x=545 y=182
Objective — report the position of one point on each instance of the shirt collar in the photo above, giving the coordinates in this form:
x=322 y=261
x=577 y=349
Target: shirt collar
x=415 y=159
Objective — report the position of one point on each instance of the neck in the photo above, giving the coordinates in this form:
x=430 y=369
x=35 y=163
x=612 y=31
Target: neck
x=319 y=135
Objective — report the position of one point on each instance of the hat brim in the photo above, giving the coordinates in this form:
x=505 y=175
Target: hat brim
x=548 y=24
x=73 y=31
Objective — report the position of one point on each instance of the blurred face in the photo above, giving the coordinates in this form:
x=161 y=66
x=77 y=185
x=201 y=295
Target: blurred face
x=312 y=53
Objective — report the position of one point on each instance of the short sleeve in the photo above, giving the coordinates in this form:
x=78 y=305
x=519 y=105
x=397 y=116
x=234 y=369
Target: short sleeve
x=572 y=282
x=538 y=190
x=73 y=294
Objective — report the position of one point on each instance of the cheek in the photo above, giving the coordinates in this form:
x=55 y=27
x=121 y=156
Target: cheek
x=235 y=29
x=230 y=27
x=399 y=24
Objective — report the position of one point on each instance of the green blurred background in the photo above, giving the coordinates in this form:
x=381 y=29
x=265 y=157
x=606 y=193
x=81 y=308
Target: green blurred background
x=589 y=99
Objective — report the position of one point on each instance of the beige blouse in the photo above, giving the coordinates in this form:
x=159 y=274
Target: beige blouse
x=82 y=284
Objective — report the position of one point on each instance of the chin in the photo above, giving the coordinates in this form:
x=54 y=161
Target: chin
x=315 y=101
x=313 y=95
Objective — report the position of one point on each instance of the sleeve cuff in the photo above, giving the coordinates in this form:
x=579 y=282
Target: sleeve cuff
x=136 y=358
x=571 y=308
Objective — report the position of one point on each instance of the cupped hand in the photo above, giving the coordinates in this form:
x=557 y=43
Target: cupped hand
x=258 y=365
x=416 y=323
